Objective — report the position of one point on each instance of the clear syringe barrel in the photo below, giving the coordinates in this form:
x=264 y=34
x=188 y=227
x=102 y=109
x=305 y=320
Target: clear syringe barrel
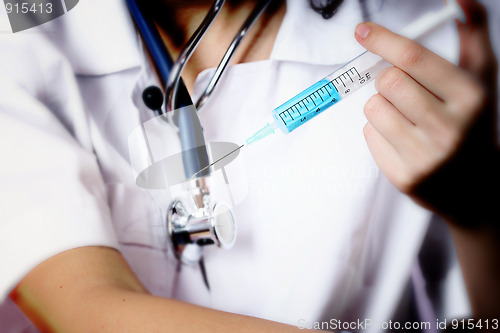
x=328 y=91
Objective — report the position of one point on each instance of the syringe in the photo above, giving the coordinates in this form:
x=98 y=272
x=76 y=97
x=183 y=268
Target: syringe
x=347 y=79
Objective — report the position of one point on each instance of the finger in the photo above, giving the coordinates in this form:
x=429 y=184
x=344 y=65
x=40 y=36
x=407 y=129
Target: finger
x=427 y=68
x=387 y=158
x=416 y=103
x=389 y=122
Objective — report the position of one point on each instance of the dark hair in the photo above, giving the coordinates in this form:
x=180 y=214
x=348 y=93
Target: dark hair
x=327 y=8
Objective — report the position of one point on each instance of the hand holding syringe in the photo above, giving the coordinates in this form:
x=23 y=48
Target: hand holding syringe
x=343 y=82
x=346 y=80
x=432 y=131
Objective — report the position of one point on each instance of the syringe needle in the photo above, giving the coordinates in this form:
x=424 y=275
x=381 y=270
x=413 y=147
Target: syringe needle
x=220 y=159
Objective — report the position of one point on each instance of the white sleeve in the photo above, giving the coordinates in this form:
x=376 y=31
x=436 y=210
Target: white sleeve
x=52 y=197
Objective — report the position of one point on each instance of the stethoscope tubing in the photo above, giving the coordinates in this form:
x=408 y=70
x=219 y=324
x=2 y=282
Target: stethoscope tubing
x=151 y=37
x=190 y=130
x=194 y=152
x=175 y=74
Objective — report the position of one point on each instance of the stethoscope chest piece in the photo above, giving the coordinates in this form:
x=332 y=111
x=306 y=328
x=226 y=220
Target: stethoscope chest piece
x=195 y=221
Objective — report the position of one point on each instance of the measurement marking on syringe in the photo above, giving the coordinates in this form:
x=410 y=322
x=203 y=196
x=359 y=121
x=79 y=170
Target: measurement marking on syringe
x=356 y=71
x=324 y=87
x=339 y=79
x=331 y=82
x=316 y=96
x=304 y=102
x=281 y=116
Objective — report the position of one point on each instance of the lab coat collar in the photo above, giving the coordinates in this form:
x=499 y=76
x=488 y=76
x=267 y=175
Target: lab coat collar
x=298 y=36
x=98 y=37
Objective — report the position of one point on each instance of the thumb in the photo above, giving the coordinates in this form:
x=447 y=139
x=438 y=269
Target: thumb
x=476 y=54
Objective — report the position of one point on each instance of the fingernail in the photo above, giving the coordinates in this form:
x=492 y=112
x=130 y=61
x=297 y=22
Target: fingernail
x=363 y=30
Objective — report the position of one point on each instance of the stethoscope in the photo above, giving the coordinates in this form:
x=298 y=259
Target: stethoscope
x=194 y=219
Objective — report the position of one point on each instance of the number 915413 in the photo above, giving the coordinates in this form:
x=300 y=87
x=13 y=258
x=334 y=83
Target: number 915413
x=26 y=7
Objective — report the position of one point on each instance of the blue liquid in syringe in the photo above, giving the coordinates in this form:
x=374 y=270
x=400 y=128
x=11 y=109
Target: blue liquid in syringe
x=322 y=95
x=306 y=105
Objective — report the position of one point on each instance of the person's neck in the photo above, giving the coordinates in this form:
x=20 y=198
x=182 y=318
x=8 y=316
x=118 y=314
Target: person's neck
x=256 y=46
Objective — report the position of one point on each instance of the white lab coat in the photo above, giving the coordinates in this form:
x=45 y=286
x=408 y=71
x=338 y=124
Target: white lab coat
x=321 y=233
